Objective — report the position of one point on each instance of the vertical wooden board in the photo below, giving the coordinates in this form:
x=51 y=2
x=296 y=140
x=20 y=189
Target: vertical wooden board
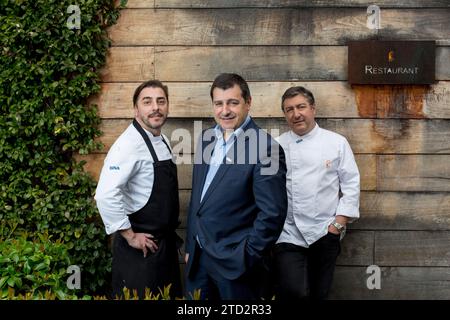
x=253 y=63
x=412 y=248
x=397 y=283
x=128 y=63
x=404 y=211
x=413 y=173
x=357 y=249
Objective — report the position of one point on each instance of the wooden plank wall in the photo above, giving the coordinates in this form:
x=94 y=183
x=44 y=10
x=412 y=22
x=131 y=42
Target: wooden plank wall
x=400 y=134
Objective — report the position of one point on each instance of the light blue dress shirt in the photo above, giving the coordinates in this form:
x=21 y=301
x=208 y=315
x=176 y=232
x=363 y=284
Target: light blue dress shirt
x=220 y=150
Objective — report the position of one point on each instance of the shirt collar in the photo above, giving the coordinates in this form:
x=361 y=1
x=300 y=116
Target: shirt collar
x=219 y=131
x=152 y=137
x=297 y=138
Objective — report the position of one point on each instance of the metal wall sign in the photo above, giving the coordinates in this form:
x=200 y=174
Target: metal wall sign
x=391 y=62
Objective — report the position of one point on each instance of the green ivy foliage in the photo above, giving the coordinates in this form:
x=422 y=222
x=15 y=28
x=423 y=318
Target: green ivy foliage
x=47 y=73
x=30 y=267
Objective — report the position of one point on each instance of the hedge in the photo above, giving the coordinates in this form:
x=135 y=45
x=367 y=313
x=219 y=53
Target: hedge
x=47 y=73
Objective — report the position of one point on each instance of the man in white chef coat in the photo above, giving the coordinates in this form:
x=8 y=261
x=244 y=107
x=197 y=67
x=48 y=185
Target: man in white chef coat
x=137 y=197
x=323 y=187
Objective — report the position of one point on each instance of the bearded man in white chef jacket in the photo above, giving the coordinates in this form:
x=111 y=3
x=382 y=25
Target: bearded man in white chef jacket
x=323 y=188
x=137 y=197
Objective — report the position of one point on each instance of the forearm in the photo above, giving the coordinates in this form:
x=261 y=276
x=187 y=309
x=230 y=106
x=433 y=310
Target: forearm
x=128 y=234
x=342 y=219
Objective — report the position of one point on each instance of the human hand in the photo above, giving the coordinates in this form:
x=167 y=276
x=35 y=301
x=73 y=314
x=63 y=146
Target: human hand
x=143 y=241
x=332 y=229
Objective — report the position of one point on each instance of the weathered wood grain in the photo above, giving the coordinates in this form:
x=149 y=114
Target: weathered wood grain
x=357 y=249
x=402 y=101
x=254 y=63
x=123 y=62
x=282 y=63
x=442 y=65
x=412 y=248
x=293 y=26
x=387 y=136
x=404 y=283
x=282 y=3
x=192 y=99
x=413 y=173
x=404 y=211
x=335 y=99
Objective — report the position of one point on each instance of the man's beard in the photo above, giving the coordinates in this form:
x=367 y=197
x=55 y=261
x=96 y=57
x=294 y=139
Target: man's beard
x=147 y=122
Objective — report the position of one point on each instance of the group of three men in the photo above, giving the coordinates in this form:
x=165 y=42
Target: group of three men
x=259 y=209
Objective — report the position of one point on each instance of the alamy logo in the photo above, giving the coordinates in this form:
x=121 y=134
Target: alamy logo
x=74 y=22
x=74 y=280
x=373 y=17
x=374 y=280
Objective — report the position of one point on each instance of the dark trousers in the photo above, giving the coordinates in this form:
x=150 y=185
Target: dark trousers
x=252 y=285
x=155 y=272
x=306 y=273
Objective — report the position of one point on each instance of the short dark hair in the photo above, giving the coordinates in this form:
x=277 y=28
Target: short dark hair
x=226 y=81
x=150 y=84
x=295 y=91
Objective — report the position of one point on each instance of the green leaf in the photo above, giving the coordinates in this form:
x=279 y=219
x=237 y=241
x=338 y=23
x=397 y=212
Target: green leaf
x=11 y=282
x=40 y=266
x=18 y=282
x=3 y=281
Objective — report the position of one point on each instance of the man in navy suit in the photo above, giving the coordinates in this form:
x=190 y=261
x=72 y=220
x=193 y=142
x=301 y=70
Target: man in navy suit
x=238 y=203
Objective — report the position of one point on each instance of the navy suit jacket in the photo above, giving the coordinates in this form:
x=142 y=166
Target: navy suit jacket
x=243 y=211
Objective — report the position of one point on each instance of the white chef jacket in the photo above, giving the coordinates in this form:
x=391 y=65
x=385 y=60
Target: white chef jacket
x=126 y=179
x=319 y=165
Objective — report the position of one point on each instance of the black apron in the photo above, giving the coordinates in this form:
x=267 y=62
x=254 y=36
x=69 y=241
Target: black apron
x=158 y=217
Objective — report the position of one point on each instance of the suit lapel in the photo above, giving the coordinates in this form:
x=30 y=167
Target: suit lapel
x=216 y=180
x=221 y=171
